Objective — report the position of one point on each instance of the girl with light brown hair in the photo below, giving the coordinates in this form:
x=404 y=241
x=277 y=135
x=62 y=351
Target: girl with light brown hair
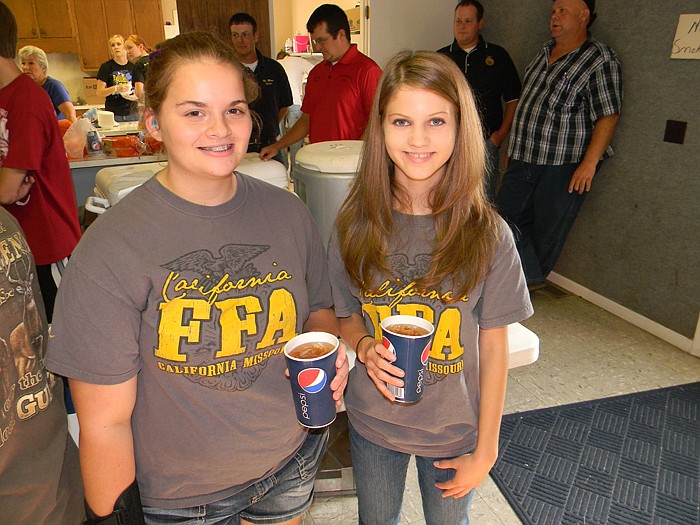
x=185 y=411
x=416 y=235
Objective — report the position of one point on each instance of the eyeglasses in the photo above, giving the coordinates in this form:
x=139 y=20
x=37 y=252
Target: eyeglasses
x=244 y=34
x=320 y=41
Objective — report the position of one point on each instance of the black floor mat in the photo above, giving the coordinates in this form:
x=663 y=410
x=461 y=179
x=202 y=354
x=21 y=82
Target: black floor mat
x=626 y=460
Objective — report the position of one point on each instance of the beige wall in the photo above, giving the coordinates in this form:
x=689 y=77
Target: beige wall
x=168 y=7
x=66 y=68
x=409 y=24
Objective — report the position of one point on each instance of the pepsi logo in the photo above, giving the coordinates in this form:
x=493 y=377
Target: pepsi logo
x=425 y=354
x=312 y=380
x=387 y=344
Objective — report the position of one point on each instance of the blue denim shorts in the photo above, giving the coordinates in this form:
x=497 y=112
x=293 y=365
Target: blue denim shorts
x=280 y=497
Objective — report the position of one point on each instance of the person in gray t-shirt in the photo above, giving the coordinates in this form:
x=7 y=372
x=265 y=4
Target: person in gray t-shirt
x=39 y=469
x=416 y=236
x=174 y=312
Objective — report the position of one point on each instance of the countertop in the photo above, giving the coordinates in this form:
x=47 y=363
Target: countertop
x=120 y=128
x=105 y=161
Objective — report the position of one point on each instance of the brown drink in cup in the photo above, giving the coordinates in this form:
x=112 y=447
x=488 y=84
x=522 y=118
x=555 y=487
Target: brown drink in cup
x=311 y=362
x=409 y=338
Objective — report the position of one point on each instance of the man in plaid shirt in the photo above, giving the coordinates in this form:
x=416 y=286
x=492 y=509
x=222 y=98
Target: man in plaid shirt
x=563 y=126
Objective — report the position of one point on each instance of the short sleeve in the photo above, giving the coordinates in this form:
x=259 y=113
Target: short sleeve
x=505 y=298
x=137 y=74
x=95 y=328
x=369 y=82
x=103 y=73
x=605 y=87
x=318 y=285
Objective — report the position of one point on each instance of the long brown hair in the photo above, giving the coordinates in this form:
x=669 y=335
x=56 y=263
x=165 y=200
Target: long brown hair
x=466 y=225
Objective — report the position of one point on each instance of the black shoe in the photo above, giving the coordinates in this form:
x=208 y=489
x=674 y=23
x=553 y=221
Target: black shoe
x=532 y=287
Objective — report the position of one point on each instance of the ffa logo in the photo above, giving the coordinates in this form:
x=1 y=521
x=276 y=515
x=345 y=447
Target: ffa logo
x=312 y=380
x=489 y=61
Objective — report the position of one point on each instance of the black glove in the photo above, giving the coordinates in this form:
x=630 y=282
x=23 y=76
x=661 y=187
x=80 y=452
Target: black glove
x=127 y=510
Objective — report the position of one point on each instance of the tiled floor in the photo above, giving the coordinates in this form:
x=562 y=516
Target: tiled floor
x=585 y=353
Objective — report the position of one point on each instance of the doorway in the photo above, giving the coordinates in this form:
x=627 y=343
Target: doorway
x=289 y=18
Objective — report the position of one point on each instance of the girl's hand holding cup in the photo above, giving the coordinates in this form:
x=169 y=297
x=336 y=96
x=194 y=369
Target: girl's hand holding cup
x=378 y=362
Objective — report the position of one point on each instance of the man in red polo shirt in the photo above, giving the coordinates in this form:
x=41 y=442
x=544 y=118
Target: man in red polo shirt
x=339 y=90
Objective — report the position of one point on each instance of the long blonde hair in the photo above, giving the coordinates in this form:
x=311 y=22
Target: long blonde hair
x=466 y=225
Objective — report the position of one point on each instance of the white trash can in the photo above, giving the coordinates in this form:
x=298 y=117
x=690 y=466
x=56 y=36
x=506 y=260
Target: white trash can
x=322 y=174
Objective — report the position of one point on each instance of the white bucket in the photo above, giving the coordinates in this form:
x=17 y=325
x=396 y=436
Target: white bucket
x=105 y=119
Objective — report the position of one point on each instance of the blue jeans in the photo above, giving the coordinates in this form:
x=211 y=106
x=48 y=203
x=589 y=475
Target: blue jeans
x=535 y=201
x=380 y=478
x=281 y=497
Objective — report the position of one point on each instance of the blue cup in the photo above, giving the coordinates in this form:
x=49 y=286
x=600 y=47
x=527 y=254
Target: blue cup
x=310 y=375
x=411 y=351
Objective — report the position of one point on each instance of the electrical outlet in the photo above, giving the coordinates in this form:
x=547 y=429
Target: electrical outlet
x=675 y=131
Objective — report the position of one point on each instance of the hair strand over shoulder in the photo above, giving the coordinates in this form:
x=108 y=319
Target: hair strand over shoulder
x=466 y=225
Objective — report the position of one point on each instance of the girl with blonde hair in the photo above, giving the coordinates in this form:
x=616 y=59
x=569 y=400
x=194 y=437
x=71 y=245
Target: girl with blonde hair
x=120 y=83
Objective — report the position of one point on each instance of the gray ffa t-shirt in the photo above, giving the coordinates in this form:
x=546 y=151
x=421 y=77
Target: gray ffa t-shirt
x=39 y=471
x=444 y=422
x=199 y=302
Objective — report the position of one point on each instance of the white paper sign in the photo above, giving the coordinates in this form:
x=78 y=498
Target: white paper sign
x=686 y=43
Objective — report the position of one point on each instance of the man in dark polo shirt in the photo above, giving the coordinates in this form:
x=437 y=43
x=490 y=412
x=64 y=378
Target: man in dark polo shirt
x=493 y=77
x=275 y=92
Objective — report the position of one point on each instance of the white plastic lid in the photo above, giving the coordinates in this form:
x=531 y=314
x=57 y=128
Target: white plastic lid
x=270 y=170
x=337 y=156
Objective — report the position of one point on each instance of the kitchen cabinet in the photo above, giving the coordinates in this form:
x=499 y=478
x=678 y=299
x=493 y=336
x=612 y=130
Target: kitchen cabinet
x=214 y=18
x=44 y=23
x=98 y=20
x=148 y=17
x=92 y=34
x=119 y=17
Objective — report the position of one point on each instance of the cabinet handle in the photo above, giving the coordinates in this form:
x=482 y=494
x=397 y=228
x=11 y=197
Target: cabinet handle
x=42 y=32
x=33 y=31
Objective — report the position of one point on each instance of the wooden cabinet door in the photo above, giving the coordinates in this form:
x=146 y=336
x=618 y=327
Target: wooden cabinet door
x=193 y=16
x=92 y=34
x=53 y=19
x=148 y=16
x=24 y=15
x=119 y=18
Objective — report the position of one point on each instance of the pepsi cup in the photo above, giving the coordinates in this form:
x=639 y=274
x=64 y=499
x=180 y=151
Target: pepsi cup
x=409 y=338
x=311 y=363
